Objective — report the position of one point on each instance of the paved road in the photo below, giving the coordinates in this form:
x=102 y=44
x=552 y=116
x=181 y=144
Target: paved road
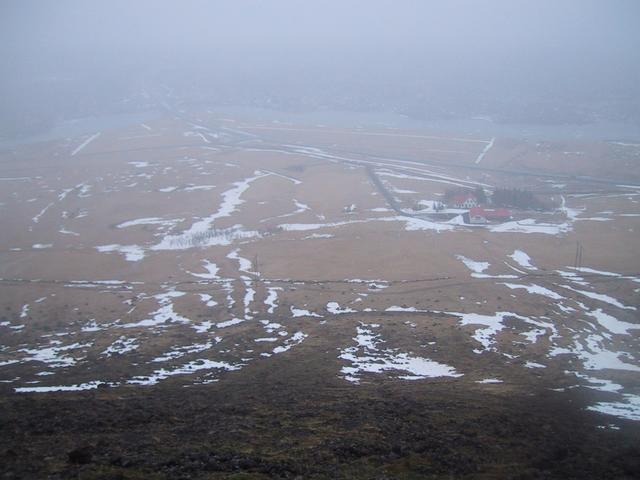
x=507 y=171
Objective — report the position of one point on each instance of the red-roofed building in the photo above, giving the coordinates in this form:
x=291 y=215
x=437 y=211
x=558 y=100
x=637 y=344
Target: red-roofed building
x=481 y=215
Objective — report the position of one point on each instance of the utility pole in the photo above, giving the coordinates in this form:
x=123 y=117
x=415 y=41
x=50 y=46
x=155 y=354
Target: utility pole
x=578 y=259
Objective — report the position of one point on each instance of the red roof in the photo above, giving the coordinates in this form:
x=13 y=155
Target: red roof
x=489 y=212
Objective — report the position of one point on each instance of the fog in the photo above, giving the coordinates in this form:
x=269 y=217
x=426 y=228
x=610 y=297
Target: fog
x=319 y=239
x=546 y=62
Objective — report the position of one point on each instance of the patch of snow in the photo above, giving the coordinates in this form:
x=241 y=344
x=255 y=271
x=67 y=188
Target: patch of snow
x=295 y=339
x=494 y=324
x=245 y=264
x=229 y=323
x=299 y=312
x=601 y=297
x=149 y=221
x=36 y=219
x=522 y=259
x=194 y=188
x=335 y=309
x=187 y=369
x=132 y=253
x=53 y=355
x=613 y=324
x=396 y=308
x=203 y=327
x=318 y=235
x=80 y=147
x=121 y=346
x=177 y=352
x=485 y=150
x=530 y=226
x=476 y=267
x=272 y=298
x=571 y=213
x=595 y=357
x=212 y=271
x=416 y=224
x=367 y=357
x=60 y=388
x=534 y=365
x=535 y=289
x=628 y=408
x=139 y=164
x=198 y=233
x=164 y=314
x=208 y=299
x=248 y=297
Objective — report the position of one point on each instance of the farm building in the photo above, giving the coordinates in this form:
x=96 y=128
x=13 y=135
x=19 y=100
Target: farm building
x=481 y=215
x=464 y=201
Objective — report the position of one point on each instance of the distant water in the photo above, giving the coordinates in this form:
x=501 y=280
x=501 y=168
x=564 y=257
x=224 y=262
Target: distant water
x=82 y=126
x=609 y=131
x=605 y=131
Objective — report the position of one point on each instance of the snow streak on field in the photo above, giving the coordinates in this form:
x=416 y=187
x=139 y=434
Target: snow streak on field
x=80 y=147
x=203 y=233
x=485 y=151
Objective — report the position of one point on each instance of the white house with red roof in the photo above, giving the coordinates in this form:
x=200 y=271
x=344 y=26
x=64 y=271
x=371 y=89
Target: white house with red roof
x=481 y=215
x=464 y=200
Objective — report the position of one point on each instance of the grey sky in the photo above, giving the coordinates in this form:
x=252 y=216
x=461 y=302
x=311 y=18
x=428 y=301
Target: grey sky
x=498 y=26
x=456 y=49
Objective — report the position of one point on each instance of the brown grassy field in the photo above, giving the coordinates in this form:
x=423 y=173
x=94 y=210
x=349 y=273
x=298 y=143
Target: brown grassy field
x=197 y=297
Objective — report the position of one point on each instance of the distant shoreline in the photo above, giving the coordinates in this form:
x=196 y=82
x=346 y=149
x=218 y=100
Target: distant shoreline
x=614 y=132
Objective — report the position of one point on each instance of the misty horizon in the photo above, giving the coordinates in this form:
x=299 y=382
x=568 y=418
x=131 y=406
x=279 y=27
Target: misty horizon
x=567 y=62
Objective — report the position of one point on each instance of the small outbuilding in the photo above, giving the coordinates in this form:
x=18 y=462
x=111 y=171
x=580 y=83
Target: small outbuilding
x=481 y=215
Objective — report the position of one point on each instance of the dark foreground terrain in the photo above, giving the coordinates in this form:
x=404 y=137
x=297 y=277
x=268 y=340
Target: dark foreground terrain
x=298 y=422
